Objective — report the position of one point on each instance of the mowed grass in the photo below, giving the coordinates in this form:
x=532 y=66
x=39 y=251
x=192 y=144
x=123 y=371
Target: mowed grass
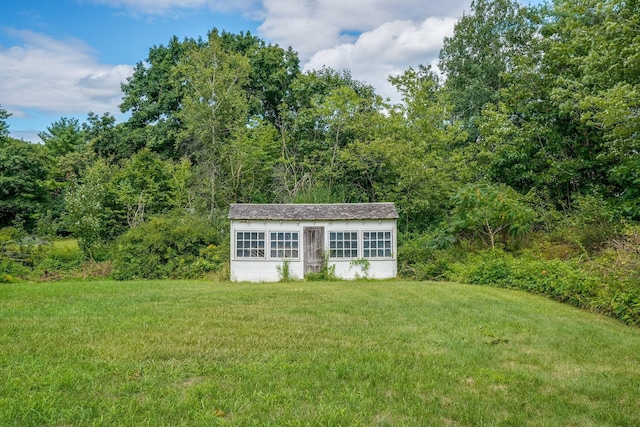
x=358 y=353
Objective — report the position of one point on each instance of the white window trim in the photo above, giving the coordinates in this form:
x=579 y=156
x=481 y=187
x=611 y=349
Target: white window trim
x=284 y=258
x=358 y=242
x=392 y=240
x=249 y=258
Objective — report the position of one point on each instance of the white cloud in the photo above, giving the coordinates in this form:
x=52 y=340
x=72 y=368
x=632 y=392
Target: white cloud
x=371 y=38
x=57 y=76
x=313 y=25
x=387 y=50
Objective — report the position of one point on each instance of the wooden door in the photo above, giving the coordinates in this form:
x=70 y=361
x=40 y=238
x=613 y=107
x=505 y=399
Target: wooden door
x=313 y=249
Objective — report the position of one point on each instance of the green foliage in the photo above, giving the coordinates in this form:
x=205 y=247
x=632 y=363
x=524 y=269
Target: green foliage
x=591 y=285
x=62 y=137
x=555 y=278
x=142 y=186
x=363 y=265
x=490 y=210
x=424 y=257
x=24 y=170
x=176 y=246
x=284 y=271
x=92 y=215
x=592 y=223
x=11 y=271
x=326 y=274
x=480 y=53
x=4 y=127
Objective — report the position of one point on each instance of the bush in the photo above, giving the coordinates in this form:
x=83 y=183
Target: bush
x=587 y=285
x=592 y=224
x=169 y=246
x=427 y=256
x=10 y=271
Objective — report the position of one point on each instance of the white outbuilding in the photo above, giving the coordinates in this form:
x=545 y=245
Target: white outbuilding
x=353 y=240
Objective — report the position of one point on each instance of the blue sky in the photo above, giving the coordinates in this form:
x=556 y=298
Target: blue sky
x=68 y=57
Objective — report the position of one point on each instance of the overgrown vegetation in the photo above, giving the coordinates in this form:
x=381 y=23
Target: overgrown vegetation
x=524 y=158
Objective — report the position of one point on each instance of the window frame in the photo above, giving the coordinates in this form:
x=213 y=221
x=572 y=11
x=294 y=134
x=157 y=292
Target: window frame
x=284 y=241
x=366 y=244
x=257 y=239
x=343 y=241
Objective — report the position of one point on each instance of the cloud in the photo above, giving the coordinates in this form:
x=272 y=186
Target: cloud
x=57 y=76
x=371 y=38
x=387 y=50
x=313 y=25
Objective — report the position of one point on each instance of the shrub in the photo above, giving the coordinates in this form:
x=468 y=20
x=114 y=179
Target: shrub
x=587 y=285
x=592 y=224
x=10 y=271
x=491 y=211
x=169 y=246
x=427 y=256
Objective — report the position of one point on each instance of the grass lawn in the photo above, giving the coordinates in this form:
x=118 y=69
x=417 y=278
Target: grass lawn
x=364 y=353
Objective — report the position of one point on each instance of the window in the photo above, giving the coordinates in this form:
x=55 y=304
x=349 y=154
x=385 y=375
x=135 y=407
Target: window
x=343 y=244
x=249 y=244
x=284 y=245
x=376 y=244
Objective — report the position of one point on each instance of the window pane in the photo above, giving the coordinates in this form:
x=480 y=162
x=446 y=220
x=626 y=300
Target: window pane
x=249 y=244
x=377 y=244
x=284 y=242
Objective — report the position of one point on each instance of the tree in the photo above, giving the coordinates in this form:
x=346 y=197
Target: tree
x=214 y=107
x=480 y=52
x=62 y=137
x=92 y=215
x=327 y=110
x=23 y=174
x=108 y=140
x=593 y=63
x=152 y=96
x=4 y=127
x=143 y=186
x=490 y=210
x=425 y=146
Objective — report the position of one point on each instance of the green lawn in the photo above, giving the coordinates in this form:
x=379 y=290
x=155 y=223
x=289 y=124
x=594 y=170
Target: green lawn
x=363 y=353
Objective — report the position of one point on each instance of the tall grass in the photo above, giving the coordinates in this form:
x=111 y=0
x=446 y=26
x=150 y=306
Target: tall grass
x=300 y=353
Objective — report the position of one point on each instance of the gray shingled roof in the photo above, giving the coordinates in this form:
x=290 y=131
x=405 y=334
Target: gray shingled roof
x=338 y=211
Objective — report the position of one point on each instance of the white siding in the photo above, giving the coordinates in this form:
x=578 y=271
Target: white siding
x=266 y=269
